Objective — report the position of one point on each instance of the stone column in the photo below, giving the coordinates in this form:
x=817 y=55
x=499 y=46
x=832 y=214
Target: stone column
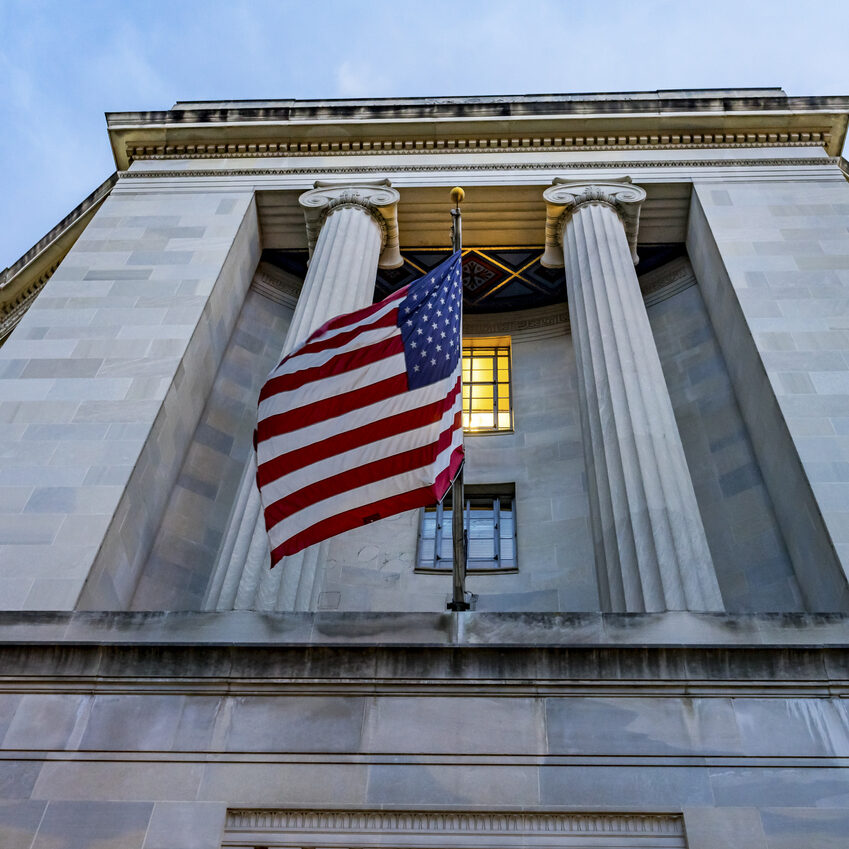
x=650 y=546
x=351 y=230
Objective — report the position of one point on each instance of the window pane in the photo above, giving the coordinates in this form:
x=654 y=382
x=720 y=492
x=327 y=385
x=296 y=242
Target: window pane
x=481 y=549
x=486 y=388
x=447 y=549
x=482 y=420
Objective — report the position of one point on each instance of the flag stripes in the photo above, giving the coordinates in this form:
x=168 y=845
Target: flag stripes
x=364 y=420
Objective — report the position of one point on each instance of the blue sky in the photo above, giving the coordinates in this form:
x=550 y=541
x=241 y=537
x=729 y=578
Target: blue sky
x=63 y=64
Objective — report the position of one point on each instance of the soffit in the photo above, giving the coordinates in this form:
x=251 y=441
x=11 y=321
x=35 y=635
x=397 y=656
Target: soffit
x=492 y=215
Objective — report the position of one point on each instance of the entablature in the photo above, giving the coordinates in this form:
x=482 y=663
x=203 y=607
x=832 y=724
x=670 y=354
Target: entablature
x=635 y=120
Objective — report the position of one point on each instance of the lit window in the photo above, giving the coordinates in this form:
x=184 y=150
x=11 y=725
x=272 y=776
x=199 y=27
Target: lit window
x=490 y=521
x=486 y=388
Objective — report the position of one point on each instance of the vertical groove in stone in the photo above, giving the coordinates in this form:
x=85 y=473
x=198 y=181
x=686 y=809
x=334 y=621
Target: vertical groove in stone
x=649 y=540
x=340 y=279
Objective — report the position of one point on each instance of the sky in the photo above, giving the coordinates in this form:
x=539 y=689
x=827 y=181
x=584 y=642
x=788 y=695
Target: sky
x=64 y=64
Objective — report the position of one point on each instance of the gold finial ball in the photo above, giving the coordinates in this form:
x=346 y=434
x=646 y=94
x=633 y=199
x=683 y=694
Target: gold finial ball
x=457 y=195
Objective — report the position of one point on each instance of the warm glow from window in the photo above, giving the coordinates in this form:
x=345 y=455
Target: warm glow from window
x=486 y=389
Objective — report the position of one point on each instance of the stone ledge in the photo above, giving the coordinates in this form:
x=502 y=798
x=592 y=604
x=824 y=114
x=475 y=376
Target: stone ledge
x=331 y=628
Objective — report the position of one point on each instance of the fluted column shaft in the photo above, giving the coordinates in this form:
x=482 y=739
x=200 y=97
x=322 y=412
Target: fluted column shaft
x=353 y=225
x=650 y=545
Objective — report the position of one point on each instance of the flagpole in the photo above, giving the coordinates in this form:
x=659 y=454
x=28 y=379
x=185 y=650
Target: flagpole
x=458 y=598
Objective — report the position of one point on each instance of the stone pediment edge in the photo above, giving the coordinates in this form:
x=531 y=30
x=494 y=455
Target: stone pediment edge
x=21 y=282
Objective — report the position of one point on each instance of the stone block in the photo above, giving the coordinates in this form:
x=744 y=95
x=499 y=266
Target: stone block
x=87 y=825
x=116 y=780
x=790 y=828
x=823 y=787
x=187 y=825
x=724 y=828
x=19 y=822
x=623 y=786
x=295 y=724
x=625 y=726
x=411 y=784
x=44 y=721
x=479 y=725
x=292 y=784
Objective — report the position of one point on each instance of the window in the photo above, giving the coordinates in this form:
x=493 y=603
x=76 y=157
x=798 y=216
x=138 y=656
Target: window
x=489 y=518
x=486 y=386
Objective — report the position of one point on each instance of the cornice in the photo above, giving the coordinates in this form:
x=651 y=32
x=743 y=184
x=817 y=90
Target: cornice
x=366 y=826
x=714 y=117
x=235 y=150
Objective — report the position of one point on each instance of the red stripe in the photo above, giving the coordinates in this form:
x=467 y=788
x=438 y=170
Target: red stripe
x=343 y=338
x=328 y=408
x=339 y=443
x=359 y=315
x=367 y=473
x=339 y=364
x=367 y=513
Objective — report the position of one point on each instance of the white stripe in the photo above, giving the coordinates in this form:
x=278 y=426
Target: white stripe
x=424 y=395
x=349 y=325
x=315 y=473
x=386 y=488
x=302 y=362
x=329 y=387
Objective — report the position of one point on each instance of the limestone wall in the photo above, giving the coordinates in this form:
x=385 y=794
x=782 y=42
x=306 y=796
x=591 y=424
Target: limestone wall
x=142 y=730
x=101 y=387
x=773 y=264
x=745 y=539
x=188 y=542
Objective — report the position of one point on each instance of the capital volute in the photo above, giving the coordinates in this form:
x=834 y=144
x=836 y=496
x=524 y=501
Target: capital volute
x=376 y=198
x=564 y=197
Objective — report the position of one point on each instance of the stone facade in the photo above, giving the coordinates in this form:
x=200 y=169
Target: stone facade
x=667 y=666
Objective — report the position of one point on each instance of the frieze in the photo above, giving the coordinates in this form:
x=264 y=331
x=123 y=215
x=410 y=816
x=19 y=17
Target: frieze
x=498 y=166
x=669 y=280
x=276 y=285
x=377 y=822
x=523 y=326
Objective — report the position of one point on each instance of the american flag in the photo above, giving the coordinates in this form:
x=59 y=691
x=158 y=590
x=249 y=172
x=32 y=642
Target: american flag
x=364 y=419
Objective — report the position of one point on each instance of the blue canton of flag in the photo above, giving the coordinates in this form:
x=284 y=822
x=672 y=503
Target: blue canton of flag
x=430 y=320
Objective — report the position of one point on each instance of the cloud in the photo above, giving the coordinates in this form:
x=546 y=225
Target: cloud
x=355 y=78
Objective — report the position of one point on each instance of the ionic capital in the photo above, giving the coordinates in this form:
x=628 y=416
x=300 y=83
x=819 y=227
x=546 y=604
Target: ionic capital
x=375 y=198
x=564 y=197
